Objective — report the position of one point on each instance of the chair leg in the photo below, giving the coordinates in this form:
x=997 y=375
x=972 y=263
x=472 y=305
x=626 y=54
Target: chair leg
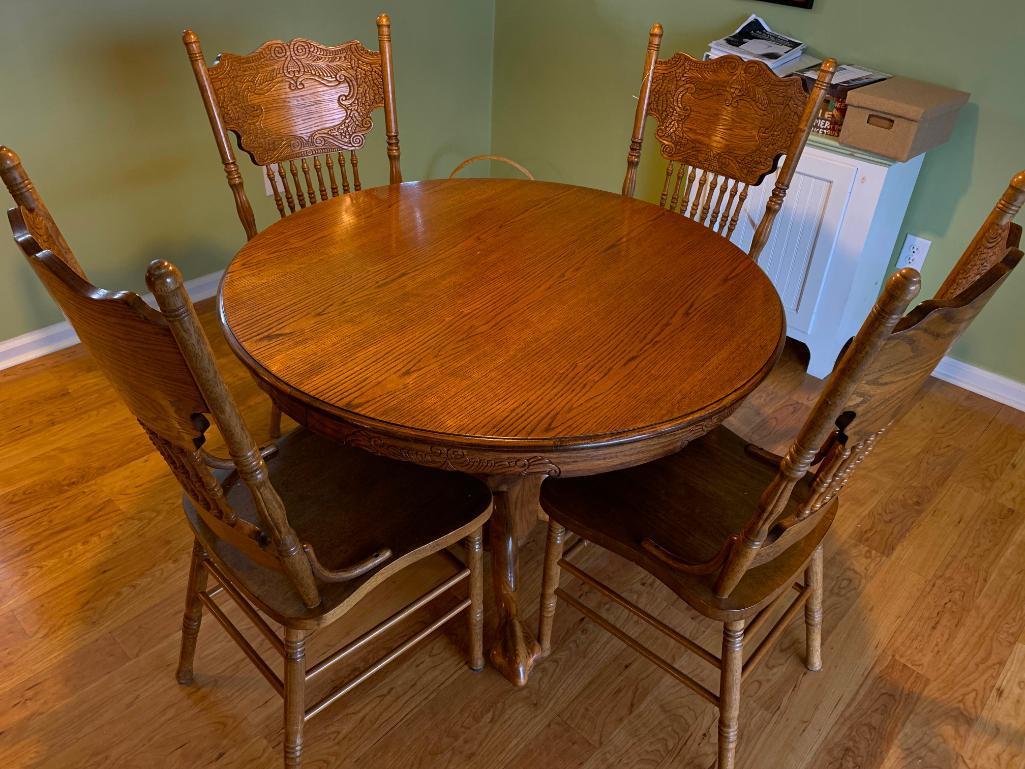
x=295 y=695
x=813 y=611
x=550 y=581
x=475 y=563
x=729 y=692
x=275 y=421
x=193 y=614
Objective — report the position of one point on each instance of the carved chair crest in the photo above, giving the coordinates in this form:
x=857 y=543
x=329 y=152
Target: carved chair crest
x=294 y=99
x=723 y=125
x=298 y=101
x=727 y=116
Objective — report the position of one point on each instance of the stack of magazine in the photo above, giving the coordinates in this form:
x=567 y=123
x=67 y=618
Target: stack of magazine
x=754 y=40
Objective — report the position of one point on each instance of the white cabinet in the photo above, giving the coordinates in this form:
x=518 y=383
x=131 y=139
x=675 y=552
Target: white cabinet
x=832 y=241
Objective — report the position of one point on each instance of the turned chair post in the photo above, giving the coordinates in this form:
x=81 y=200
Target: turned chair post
x=193 y=615
x=165 y=281
x=391 y=119
x=633 y=157
x=729 y=692
x=295 y=695
x=475 y=563
x=550 y=582
x=813 y=578
x=213 y=113
x=786 y=173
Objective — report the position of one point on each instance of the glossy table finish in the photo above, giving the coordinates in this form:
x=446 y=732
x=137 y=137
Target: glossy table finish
x=506 y=328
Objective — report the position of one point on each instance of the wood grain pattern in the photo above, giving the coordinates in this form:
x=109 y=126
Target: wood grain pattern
x=874 y=717
x=723 y=125
x=38 y=226
x=296 y=101
x=408 y=284
x=78 y=662
x=997 y=233
x=547 y=275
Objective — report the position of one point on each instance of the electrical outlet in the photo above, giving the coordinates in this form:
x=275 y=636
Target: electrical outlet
x=914 y=252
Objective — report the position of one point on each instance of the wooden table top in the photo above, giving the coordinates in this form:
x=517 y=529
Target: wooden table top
x=502 y=312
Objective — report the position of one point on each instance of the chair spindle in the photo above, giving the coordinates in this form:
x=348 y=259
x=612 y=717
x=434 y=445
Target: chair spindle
x=277 y=193
x=331 y=175
x=354 y=161
x=299 y=195
x=309 y=182
x=319 y=168
x=345 y=174
x=284 y=183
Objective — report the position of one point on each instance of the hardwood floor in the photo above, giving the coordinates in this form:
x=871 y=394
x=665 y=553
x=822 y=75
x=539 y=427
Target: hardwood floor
x=923 y=643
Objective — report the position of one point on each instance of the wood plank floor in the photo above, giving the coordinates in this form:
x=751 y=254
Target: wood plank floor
x=923 y=643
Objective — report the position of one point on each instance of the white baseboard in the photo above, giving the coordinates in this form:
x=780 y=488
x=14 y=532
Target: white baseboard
x=993 y=386
x=42 y=341
x=36 y=344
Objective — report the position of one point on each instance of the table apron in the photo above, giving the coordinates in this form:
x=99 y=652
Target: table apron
x=490 y=461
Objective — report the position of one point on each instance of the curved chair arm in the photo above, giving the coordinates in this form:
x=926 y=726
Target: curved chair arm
x=499 y=158
x=349 y=572
x=215 y=462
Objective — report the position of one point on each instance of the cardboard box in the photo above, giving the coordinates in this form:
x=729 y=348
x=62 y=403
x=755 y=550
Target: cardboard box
x=900 y=117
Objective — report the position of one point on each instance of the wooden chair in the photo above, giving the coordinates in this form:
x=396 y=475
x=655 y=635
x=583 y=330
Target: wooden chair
x=499 y=158
x=730 y=527
x=298 y=532
x=288 y=102
x=723 y=126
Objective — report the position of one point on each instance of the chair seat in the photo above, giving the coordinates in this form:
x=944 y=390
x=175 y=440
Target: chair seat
x=347 y=504
x=690 y=503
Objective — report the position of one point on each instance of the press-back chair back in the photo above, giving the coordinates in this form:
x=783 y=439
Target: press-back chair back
x=299 y=102
x=39 y=231
x=723 y=125
x=990 y=244
x=162 y=366
x=875 y=383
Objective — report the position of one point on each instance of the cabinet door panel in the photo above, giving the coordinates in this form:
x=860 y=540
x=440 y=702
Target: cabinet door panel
x=804 y=236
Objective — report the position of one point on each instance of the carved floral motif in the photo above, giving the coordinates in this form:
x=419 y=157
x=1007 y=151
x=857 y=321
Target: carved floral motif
x=726 y=116
x=262 y=101
x=442 y=458
x=202 y=487
x=989 y=251
x=36 y=231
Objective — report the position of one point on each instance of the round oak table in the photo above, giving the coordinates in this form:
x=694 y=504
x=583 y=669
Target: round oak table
x=511 y=329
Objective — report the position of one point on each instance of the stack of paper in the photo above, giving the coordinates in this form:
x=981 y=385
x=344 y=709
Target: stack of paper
x=754 y=40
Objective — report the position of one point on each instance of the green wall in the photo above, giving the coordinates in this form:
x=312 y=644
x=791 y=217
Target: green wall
x=100 y=102
x=565 y=72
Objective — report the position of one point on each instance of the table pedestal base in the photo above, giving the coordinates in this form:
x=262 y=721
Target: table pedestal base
x=515 y=648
